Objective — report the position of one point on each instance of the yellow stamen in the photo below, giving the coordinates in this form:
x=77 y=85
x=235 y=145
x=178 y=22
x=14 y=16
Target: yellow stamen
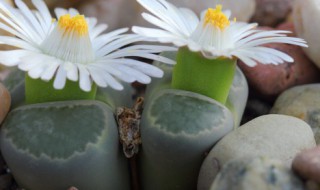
x=216 y=17
x=77 y=24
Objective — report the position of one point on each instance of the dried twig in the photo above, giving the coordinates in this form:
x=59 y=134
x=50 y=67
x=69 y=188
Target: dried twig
x=129 y=127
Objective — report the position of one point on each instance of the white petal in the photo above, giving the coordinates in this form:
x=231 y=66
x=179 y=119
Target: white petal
x=12 y=58
x=97 y=77
x=287 y=40
x=15 y=20
x=151 y=32
x=37 y=70
x=104 y=39
x=14 y=32
x=16 y=42
x=85 y=81
x=118 y=43
x=50 y=71
x=44 y=11
x=60 y=12
x=91 y=22
x=111 y=68
x=161 y=24
x=98 y=30
x=30 y=17
x=168 y=13
x=72 y=71
x=145 y=68
x=191 y=17
x=112 y=82
x=73 y=12
x=60 y=79
x=139 y=76
x=248 y=61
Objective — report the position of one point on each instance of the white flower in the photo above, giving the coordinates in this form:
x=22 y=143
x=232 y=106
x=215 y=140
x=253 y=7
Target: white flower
x=214 y=34
x=73 y=48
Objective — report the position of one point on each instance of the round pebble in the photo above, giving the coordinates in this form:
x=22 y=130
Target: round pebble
x=259 y=173
x=275 y=136
x=302 y=102
x=307 y=164
x=5 y=102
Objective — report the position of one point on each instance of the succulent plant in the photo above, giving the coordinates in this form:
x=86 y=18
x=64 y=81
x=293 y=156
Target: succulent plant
x=62 y=144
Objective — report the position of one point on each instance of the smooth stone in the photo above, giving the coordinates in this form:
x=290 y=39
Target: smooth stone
x=259 y=173
x=70 y=143
x=302 y=102
x=268 y=80
x=5 y=102
x=305 y=12
x=307 y=164
x=271 y=12
x=112 y=12
x=275 y=136
x=177 y=129
x=237 y=98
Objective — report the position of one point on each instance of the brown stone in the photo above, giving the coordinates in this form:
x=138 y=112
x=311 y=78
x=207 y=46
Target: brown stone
x=5 y=102
x=307 y=164
x=270 y=80
x=272 y=12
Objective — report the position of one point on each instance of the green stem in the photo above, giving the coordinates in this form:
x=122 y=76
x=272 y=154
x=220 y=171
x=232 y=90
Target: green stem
x=210 y=77
x=39 y=91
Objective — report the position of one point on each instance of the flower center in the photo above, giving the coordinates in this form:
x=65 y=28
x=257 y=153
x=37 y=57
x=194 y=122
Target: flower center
x=216 y=17
x=70 y=40
x=77 y=24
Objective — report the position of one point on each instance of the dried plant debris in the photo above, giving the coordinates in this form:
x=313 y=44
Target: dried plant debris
x=129 y=127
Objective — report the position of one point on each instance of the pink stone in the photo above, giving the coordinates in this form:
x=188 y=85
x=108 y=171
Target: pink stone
x=307 y=164
x=5 y=102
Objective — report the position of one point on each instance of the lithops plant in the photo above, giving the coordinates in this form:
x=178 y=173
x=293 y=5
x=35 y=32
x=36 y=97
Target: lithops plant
x=237 y=97
x=177 y=128
x=178 y=125
x=68 y=142
x=43 y=151
x=151 y=151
